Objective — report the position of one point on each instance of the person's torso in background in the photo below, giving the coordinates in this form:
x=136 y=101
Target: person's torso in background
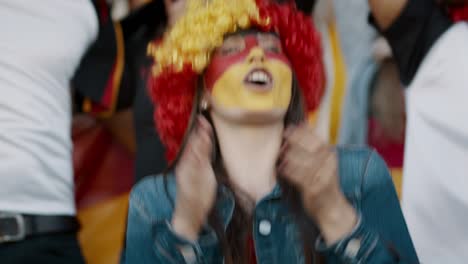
x=150 y=159
x=41 y=45
x=435 y=199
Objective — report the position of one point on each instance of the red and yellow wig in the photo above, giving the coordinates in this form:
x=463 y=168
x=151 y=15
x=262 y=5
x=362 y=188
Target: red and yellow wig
x=186 y=51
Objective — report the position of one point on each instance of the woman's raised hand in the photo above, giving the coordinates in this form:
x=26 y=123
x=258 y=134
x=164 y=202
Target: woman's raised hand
x=311 y=165
x=196 y=182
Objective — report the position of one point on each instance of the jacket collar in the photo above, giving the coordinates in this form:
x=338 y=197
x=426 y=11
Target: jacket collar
x=226 y=202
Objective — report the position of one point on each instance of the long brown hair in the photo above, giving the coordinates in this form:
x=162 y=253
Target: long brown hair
x=233 y=240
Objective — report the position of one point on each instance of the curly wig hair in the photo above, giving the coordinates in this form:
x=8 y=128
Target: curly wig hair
x=186 y=50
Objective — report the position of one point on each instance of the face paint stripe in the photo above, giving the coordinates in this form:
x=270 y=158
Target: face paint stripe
x=229 y=91
x=220 y=63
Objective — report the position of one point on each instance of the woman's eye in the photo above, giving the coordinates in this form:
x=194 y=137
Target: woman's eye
x=230 y=50
x=271 y=47
x=274 y=49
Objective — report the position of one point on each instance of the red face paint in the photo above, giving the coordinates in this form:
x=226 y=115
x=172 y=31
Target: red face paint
x=222 y=61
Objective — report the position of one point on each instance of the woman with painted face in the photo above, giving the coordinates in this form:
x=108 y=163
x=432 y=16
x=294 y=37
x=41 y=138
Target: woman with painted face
x=150 y=22
x=249 y=182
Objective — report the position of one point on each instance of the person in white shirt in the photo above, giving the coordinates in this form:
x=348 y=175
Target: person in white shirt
x=41 y=49
x=432 y=55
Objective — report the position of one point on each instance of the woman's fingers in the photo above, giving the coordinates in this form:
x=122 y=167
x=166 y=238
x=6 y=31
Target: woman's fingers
x=324 y=174
x=203 y=123
x=310 y=158
x=196 y=180
x=311 y=165
x=289 y=166
x=303 y=136
x=199 y=145
x=204 y=135
x=302 y=156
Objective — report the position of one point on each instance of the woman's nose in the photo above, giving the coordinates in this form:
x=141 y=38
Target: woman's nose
x=256 y=55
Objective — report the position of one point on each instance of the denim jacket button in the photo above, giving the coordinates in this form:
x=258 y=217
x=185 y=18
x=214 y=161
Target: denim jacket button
x=264 y=227
x=188 y=253
x=352 y=249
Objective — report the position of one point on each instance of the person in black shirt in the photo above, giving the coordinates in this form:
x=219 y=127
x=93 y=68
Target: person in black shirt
x=411 y=28
x=151 y=21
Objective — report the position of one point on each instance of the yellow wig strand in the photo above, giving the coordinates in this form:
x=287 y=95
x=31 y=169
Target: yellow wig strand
x=200 y=31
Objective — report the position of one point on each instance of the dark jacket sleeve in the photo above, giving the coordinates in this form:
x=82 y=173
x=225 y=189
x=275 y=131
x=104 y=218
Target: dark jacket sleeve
x=413 y=33
x=105 y=80
x=97 y=81
x=381 y=235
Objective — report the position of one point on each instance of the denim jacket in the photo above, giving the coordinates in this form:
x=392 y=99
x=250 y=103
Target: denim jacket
x=381 y=235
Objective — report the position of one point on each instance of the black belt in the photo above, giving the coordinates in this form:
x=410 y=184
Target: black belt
x=17 y=227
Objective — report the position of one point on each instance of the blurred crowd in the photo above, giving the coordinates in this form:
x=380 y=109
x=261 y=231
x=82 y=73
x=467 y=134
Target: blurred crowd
x=77 y=127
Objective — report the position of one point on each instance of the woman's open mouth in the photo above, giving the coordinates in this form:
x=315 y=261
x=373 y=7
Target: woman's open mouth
x=259 y=80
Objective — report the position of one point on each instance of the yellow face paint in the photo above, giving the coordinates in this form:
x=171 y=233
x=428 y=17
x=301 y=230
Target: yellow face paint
x=253 y=79
x=230 y=90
